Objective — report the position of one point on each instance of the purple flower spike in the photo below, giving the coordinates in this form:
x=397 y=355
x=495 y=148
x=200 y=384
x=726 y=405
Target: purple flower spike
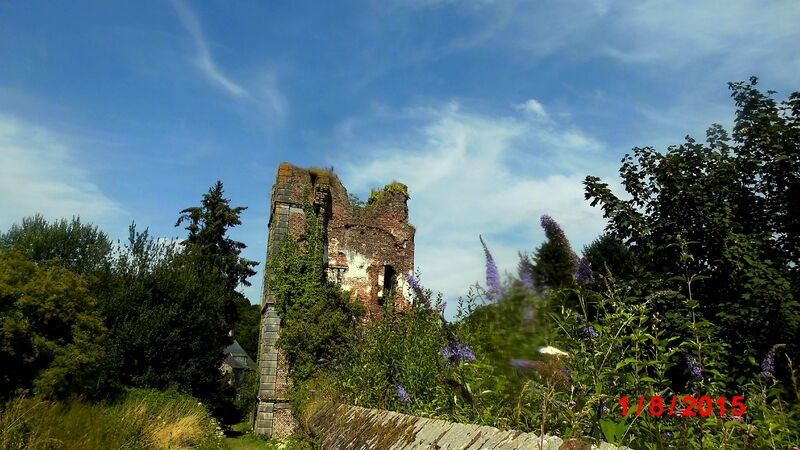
x=415 y=286
x=412 y=281
x=694 y=368
x=591 y=333
x=768 y=365
x=584 y=275
x=492 y=275
x=402 y=394
x=466 y=354
x=455 y=352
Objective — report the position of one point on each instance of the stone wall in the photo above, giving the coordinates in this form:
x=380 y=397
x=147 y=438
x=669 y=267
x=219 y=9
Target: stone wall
x=344 y=427
x=368 y=250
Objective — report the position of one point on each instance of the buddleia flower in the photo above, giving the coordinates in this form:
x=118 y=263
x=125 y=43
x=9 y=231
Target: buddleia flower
x=402 y=394
x=591 y=333
x=768 y=365
x=584 y=276
x=492 y=275
x=455 y=352
x=415 y=286
x=694 y=368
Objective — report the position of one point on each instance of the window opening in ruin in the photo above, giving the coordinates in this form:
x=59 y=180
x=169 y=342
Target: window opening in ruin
x=336 y=274
x=389 y=275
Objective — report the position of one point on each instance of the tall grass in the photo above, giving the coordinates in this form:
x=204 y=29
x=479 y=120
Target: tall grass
x=143 y=419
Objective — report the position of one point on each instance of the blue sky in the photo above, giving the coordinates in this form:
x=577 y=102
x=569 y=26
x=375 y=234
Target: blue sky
x=492 y=112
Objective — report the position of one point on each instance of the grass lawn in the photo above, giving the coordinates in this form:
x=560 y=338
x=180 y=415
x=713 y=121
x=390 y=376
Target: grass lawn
x=241 y=438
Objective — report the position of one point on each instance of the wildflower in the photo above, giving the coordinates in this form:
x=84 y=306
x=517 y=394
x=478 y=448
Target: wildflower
x=467 y=354
x=591 y=333
x=441 y=308
x=554 y=233
x=415 y=285
x=694 y=368
x=668 y=434
x=492 y=275
x=551 y=227
x=312 y=390
x=550 y=350
x=402 y=394
x=584 y=275
x=455 y=352
x=412 y=282
x=768 y=365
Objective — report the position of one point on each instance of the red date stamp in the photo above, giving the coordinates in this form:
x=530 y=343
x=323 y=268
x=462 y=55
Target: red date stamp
x=688 y=406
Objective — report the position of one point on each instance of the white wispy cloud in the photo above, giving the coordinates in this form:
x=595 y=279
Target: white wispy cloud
x=683 y=32
x=532 y=106
x=39 y=174
x=203 y=59
x=469 y=173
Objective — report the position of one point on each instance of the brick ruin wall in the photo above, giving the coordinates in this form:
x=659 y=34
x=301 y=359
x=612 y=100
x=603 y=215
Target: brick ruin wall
x=368 y=251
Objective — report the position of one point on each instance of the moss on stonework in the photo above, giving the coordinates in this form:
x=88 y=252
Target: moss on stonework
x=377 y=194
x=323 y=176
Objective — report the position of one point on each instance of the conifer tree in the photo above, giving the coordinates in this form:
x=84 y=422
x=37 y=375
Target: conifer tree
x=211 y=247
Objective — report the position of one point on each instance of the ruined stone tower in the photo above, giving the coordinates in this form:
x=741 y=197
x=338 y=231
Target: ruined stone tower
x=368 y=251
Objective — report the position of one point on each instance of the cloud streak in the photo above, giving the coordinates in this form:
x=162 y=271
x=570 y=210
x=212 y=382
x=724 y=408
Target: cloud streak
x=469 y=173
x=39 y=174
x=203 y=59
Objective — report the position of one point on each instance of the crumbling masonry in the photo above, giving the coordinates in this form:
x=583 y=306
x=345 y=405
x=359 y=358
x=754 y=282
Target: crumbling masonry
x=368 y=250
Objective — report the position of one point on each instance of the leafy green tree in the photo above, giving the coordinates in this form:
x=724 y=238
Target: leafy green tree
x=318 y=319
x=167 y=318
x=718 y=221
x=609 y=259
x=52 y=338
x=74 y=245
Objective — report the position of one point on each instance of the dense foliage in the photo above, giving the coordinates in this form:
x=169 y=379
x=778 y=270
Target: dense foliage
x=53 y=340
x=719 y=224
x=82 y=316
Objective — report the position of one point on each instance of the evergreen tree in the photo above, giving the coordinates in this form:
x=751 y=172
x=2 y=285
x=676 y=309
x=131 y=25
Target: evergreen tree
x=208 y=242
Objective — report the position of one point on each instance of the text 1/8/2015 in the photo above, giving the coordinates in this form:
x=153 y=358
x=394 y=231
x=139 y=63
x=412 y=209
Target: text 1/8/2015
x=686 y=407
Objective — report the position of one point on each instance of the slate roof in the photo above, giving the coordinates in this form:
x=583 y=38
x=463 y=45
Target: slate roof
x=235 y=354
